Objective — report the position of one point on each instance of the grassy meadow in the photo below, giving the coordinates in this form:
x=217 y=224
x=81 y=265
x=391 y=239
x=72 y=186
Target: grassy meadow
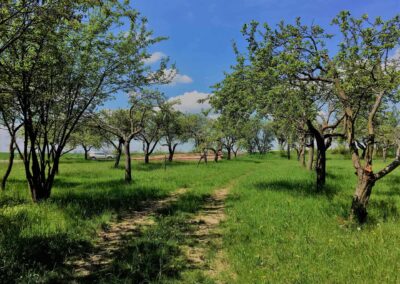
x=278 y=229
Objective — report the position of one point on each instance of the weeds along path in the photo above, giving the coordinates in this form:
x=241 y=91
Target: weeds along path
x=112 y=238
x=206 y=254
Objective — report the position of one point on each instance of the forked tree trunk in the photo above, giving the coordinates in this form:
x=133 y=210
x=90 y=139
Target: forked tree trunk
x=365 y=183
x=40 y=185
x=171 y=150
x=10 y=164
x=128 y=169
x=235 y=152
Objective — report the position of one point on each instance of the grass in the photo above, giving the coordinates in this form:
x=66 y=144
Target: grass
x=278 y=230
x=281 y=231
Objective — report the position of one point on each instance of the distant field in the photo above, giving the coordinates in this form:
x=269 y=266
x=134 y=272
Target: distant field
x=277 y=228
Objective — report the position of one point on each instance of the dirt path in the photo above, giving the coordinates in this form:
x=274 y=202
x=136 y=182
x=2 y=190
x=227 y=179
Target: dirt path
x=207 y=236
x=112 y=239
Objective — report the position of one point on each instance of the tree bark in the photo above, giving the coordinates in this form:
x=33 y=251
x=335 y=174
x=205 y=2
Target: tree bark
x=310 y=163
x=229 y=153
x=288 y=150
x=128 y=168
x=86 y=150
x=171 y=150
x=39 y=185
x=10 y=164
x=118 y=156
x=146 y=158
x=320 y=166
x=365 y=183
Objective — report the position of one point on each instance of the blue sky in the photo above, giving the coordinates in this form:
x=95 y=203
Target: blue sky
x=201 y=32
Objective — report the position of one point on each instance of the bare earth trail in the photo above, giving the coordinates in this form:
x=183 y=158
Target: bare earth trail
x=112 y=238
x=207 y=236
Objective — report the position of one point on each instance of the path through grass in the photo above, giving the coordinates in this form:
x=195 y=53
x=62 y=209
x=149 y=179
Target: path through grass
x=277 y=228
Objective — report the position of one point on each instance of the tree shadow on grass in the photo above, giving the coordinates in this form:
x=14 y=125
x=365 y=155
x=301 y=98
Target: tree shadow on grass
x=393 y=185
x=31 y=258
x=91 y=203
x=154 y=254
x=297 y=188
x=382 y=210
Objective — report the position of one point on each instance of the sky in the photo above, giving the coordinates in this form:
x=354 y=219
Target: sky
x=201 y=33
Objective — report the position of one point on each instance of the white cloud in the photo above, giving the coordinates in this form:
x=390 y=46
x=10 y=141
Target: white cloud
x=176 y=78
x=189 y=102
x=155 y=57
x=181 y=79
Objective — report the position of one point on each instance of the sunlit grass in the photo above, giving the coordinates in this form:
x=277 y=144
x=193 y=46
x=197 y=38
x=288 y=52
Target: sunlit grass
x=279 y=229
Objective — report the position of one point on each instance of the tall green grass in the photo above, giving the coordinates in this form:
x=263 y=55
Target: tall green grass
x=35 y=239
x=279 y=229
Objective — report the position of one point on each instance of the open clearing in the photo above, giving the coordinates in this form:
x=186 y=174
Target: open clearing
x=240 y=221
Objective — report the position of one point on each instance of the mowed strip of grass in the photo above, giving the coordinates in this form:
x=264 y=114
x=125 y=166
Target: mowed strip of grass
x=35 y=239
x=279 y=230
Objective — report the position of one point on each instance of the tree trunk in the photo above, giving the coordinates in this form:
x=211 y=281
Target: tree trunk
x=146 y=158
x=118 y=156
x=320 y=168
x=303 y=156
x=310 y=157
x=39 y=192
x=40 y=188
x=128 y=169
x=171 y=150
x=364 y=187
x=229 y=153
x=288 y=150
x=10 y=164
x=86 y=152
x=57 y=168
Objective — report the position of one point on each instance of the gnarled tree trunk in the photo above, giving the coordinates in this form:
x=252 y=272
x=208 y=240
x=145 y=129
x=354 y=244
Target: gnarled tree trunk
x=365 y=183
x=320 y=166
